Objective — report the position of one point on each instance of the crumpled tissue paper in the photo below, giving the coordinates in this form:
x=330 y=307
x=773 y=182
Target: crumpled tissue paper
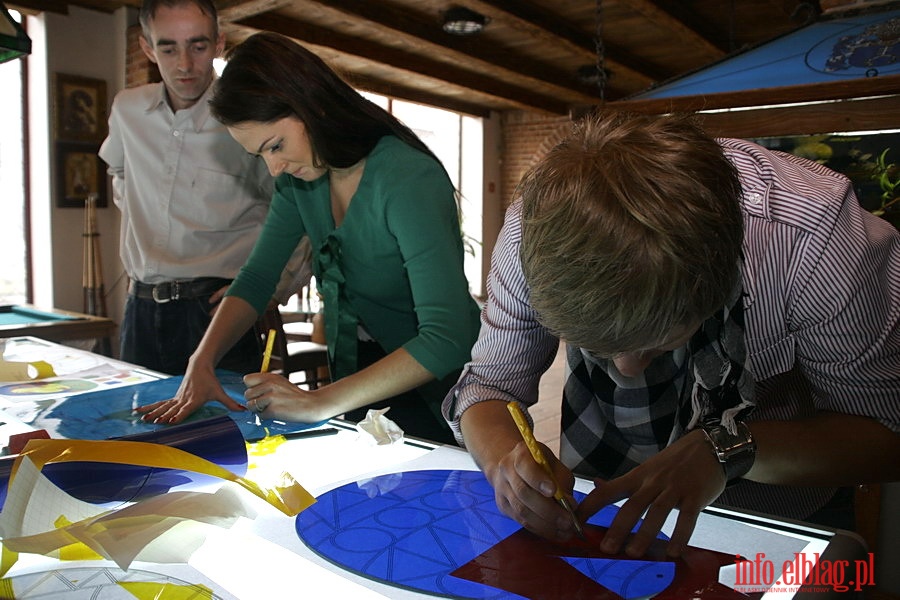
x=379 y=429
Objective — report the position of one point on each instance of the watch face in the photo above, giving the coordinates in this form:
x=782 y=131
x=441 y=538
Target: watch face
x=727 y=445
x=736 y=453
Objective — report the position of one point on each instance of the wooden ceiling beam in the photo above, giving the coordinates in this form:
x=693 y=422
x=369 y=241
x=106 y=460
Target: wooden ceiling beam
x=428 y=38
x=868 y=87
x=869 y=114
x=549 y=28
x=678 y=28
x=99 y=6
x=234 y=10
x=404 y=61
x=60 y=7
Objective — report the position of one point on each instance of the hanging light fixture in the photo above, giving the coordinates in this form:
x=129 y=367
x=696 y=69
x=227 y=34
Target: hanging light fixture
x=14 y=42
x=601 y=76
x=459 y=20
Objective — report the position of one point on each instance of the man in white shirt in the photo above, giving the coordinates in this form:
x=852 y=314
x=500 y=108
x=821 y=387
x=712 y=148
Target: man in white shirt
x=192 y=200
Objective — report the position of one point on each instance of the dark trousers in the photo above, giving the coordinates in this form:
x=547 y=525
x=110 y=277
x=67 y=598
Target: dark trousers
x=162 y=337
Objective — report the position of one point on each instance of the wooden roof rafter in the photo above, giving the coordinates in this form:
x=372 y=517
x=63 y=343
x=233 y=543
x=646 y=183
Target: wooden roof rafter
x=403 y=61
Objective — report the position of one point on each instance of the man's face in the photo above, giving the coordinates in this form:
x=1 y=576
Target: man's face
x=183 y=43
x=632 y=364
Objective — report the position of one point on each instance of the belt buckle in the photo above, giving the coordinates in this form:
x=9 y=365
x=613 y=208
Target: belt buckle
x=173 y=289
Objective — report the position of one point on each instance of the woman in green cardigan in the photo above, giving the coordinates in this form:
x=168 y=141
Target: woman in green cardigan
x=381 y=214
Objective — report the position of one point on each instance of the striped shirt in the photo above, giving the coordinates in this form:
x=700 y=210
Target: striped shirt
x=821 y=290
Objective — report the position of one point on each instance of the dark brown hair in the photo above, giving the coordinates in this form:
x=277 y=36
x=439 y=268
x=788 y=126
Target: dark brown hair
x=270 y=77
x=149 y=8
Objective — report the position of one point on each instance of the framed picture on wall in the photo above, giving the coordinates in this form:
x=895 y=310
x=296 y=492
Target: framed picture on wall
x=79 y=173
x=80 y=108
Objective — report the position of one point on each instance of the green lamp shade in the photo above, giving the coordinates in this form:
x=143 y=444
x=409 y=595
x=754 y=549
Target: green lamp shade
x=14 y=42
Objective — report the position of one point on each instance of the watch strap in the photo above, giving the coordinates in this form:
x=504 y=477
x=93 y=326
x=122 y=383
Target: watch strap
x=738 y=465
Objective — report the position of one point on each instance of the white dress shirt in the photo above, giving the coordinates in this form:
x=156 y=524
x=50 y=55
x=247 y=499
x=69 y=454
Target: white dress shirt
x=192 y=199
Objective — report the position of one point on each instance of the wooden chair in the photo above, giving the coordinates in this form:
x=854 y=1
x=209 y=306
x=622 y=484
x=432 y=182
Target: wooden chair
x=298 y=331
x=294 y=355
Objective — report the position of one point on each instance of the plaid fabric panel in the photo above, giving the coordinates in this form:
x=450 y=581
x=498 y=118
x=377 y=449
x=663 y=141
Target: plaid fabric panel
x=610 y=423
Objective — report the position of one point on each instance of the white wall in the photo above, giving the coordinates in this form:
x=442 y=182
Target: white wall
x=87 y=44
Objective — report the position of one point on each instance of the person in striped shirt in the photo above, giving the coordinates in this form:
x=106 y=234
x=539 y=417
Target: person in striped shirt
x=732 y=321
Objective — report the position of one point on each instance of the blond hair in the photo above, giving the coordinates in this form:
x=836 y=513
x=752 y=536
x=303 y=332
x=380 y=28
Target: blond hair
x=631 y=227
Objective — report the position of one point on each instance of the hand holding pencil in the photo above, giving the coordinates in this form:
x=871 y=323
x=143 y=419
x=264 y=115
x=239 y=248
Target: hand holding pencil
x=274 y=396
x=539 y=458
x=267 y=354
x=264 y=368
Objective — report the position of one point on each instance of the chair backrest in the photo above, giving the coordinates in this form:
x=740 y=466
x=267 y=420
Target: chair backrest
x=306 y=357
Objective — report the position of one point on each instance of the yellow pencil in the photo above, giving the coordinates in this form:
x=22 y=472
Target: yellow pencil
x=538 y=455
x=267 y=355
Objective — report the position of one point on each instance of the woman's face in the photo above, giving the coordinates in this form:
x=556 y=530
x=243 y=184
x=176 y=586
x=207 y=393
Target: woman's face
x=283 y=144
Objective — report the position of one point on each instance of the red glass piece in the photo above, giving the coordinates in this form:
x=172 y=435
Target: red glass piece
x=532 y=567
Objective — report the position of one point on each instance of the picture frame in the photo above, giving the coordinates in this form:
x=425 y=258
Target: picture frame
x=79 y=173
x=80 y=108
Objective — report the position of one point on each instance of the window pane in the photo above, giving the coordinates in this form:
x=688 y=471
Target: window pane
x=377 y=99
x=439 y=129
x=457 y=142
x=12 y=194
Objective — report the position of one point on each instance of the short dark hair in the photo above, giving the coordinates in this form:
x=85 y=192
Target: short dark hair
x=631 y=227
x=269 y=77
x=149 y=8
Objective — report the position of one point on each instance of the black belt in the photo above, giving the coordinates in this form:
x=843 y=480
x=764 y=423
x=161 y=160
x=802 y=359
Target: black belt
x=186 y=289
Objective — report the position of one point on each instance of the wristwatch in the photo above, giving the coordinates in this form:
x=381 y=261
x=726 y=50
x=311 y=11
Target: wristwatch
x=736 y=453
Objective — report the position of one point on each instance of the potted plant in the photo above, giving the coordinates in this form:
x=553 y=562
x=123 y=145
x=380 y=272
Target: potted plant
x=888 y=177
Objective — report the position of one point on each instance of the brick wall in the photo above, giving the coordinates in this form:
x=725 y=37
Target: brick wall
x=526 y=138
x=138 y=68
